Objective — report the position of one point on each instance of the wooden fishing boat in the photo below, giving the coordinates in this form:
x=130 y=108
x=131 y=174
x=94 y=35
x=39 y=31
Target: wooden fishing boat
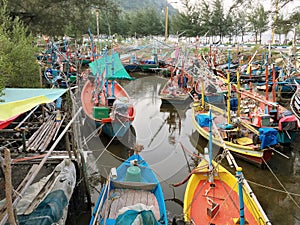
x=178 y=89
x=259 y=111
x=149 y=64
x=47 y=200
x=105 y=101
x=295 y=102
x=131 y=191
x=213 y=87
x=239 y=138
x=214 y=196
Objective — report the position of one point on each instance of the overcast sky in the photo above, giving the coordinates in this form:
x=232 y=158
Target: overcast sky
x=266 y=3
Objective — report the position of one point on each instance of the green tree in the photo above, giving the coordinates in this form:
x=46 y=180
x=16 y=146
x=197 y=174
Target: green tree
x=145 y=22
x=217 y=19
x=186 y=21
x=294 y=20
x=282 y=26
x=18 y=63
x=52 y=17
x=258 y=20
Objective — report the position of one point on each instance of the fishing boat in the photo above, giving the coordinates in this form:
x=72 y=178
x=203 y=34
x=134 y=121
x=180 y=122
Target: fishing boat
x=104 y=100
x=213 y=87
x=178 y=88
x=47 y=201
x=214 y=196
x=239 y=138
x=132 y=190
x=259 y=111
x=295 y=102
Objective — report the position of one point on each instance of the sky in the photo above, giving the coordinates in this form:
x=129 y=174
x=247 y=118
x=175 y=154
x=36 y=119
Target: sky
x=266 y=3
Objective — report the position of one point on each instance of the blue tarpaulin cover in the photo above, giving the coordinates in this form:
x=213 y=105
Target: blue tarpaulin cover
x=268 y=137
x=129 y=216
x=48 y=212
x=233 y=104
x=202 y=120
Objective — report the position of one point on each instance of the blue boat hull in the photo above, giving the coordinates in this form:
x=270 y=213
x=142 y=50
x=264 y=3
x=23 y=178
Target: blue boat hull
x=125 y=181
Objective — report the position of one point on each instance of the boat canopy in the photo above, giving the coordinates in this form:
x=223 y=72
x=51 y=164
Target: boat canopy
x=118 y=72
x=19 y=100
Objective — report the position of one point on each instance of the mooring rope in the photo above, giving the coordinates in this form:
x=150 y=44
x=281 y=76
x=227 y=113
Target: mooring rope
x=285 y=190
x=273 y=189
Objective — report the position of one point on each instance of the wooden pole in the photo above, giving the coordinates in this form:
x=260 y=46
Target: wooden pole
x=29 y=114
x=228 y=97
x=273 y=83
x=4 y=219
x=267 y=88
x=8 y=187
x=202 y=93
x=166 y=22
x=239 y=93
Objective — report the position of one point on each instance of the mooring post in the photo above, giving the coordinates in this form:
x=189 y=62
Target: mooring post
x=8 y=187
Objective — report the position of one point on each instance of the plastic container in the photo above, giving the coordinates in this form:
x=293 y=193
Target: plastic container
x=133 y=174
x=100 y=112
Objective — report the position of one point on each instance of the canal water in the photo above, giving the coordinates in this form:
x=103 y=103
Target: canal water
x=170 y=144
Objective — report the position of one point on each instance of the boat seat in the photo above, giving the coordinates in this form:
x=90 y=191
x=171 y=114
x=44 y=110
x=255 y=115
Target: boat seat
x=134 y=185
x=244 y=141
x=211 y=212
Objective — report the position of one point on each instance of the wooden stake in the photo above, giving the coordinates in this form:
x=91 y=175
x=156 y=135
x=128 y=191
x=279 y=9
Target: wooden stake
x=8 y=187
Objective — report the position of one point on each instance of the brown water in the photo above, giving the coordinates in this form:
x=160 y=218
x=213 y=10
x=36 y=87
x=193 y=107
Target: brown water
x=164 y=129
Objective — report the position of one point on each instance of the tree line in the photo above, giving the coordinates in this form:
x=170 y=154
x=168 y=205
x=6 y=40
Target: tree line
x=23 y=21
x=74 y=17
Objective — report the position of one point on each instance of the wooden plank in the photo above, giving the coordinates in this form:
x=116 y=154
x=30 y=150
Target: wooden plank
x=131 y=197
x=153 y=201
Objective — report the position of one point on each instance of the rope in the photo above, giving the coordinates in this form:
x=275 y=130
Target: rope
x=285 y=190
x=273 y=189
x=224 y=202
x=105 y=148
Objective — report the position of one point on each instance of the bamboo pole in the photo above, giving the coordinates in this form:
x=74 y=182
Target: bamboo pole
x=238 y=93
x=8 y=188
x=20 y=124
x=4 y=219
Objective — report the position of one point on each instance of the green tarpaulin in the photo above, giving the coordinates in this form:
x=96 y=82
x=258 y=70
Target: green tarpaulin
x=110 y=61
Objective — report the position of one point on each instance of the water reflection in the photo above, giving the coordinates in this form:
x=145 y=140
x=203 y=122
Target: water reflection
x=171 y=146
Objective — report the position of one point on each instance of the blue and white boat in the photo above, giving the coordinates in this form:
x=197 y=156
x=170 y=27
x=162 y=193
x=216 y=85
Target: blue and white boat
x=132 y=193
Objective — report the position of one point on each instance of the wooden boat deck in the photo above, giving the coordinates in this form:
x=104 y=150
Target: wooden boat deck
x=226 y=210
x=129 y=197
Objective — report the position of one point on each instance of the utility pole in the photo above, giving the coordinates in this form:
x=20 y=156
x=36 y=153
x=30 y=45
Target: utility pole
x=166 y=22
x=97 y=21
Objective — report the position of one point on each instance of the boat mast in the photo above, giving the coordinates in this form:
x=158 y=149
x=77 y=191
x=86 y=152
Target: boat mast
x=211 y=176
x=239 y=176
x=202 y=93
x=228 y=89
x=238 y=93
x=273 y=82
x=267 y=83
x=112 y=73
x=106 y=71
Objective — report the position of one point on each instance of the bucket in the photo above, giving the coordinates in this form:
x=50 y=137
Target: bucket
x=133 y=174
